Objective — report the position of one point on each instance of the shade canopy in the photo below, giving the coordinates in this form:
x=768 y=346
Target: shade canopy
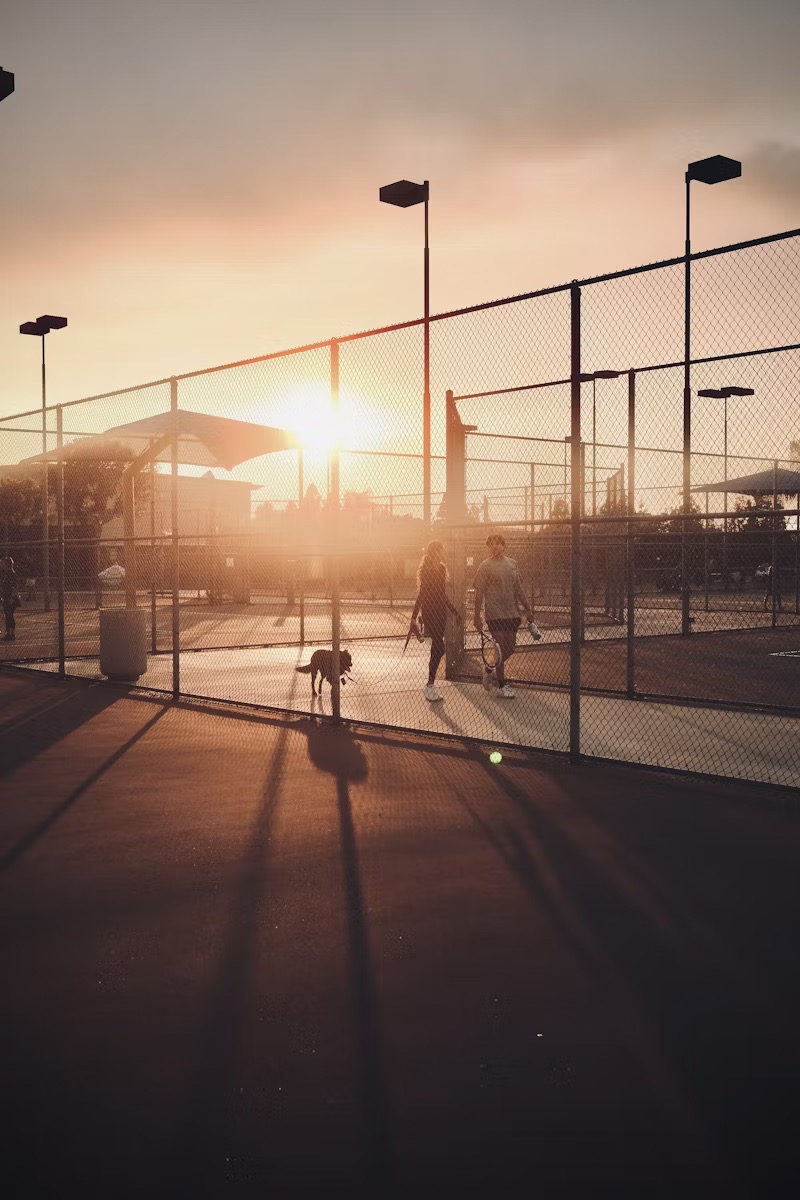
x=203 y=441
x=762 y=483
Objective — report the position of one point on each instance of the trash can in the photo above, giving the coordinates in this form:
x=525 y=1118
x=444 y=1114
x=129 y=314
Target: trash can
x=123 y=643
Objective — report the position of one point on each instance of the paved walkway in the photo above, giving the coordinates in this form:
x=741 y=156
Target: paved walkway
x=386 y=688
x=249 y=957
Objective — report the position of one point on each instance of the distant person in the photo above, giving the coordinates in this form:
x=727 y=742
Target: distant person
x=432 y=601
x=9 y=596
x=499 y=591
x=773 y=581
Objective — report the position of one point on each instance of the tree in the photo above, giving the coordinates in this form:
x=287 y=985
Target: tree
x=93 y=487
x=794 y=450
x=755 y=513
x=20 y=502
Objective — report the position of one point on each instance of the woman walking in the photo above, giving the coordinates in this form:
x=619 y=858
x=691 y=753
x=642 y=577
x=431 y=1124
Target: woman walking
x=432 y=601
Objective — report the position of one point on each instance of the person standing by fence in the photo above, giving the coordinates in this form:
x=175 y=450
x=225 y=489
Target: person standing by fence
x=432 y=601
x=499 y=591
x=9 y=596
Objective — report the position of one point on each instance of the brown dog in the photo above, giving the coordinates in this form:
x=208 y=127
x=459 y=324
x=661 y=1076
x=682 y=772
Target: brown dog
x=322 y=664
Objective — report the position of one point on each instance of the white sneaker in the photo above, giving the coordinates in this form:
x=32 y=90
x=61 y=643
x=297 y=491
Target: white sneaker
x=488 y=679
x=432 y=694
x=507 y=692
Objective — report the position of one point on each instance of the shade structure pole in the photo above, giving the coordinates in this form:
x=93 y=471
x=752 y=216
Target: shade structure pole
x=333 y=458
x=60 y=549
x=129 y=535
x=301 y=561
x=176 y=546
x=575 y=525
x=153 y=635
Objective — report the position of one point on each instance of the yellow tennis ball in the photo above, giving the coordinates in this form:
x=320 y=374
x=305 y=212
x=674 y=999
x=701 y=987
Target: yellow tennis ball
x=495 y=757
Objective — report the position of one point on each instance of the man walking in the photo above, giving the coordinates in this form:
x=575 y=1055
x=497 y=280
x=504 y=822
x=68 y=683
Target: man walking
x=499 y=591
x=9 y=597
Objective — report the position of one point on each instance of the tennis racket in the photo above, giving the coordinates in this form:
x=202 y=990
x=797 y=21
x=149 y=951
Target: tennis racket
x=491 y=653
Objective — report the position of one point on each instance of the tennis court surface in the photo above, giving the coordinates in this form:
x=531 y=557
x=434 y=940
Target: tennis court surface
x=248 y=955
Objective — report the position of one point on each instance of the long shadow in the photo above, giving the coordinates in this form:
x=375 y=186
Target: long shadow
x=204 y=1124
x=39 y=830
x=739 y=1087
x=334 y=750
x=54 y=725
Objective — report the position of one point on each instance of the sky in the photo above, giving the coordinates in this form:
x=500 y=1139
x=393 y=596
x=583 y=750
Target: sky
x=192 y=182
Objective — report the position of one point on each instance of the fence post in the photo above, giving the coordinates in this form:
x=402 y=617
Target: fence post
x=60 y=549
x=775 y=567
x=153 y=613
x=176 y=615
x=575 y=526
x=631 y=539
x=797 y=558
x=333 y=503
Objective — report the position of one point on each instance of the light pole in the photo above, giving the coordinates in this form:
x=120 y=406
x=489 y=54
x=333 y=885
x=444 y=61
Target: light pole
x=6 y=83
x=725 y=394
x=716 y=169
x=593 y=378
x=404 y=194
x=40 y=328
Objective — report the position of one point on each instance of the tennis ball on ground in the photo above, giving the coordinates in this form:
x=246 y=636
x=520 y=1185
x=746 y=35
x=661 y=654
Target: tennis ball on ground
x=495 y=757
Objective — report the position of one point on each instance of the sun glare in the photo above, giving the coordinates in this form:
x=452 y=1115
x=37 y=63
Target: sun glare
x=307 y=411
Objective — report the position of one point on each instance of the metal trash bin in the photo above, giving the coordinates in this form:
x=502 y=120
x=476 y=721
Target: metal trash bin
x=123 y=643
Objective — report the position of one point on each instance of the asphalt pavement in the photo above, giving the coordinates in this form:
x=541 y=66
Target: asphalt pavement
x=257 y=956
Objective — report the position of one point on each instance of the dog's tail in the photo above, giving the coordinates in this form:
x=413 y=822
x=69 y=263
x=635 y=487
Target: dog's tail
x=306 y=670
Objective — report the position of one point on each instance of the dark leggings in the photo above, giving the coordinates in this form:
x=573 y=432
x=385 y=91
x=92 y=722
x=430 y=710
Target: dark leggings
x=8 y=613
x=436 y=630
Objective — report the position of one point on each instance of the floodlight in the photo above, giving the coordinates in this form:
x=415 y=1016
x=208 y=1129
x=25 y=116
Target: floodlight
x=50 y=322
x=6 y=83
x=716 y=169
x=33 y=328
x=404 y=193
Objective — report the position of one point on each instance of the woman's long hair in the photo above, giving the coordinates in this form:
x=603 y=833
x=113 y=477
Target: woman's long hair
x=430 y=561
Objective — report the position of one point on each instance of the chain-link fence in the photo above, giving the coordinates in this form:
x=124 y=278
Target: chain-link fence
x=252 y=515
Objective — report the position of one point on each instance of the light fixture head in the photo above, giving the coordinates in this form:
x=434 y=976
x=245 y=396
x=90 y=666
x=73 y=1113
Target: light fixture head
x=33 y=328
x=6 y=83
x=712 y=393
x=716 y=169
x=51 y=322
x=738 y=391
x=404 y=193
